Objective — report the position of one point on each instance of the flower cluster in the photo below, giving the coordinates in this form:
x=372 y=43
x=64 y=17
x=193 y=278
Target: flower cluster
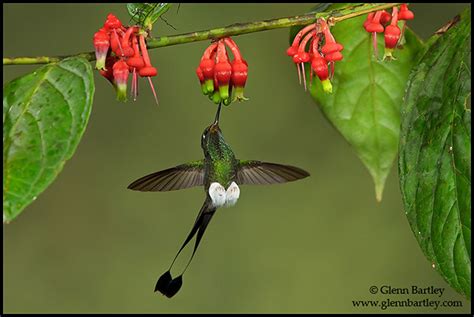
x=322 y=52
x=382 y=21
x=120 y=51
x=221 y=79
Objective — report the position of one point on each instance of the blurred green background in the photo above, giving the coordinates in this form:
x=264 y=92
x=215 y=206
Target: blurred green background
x=87 y=244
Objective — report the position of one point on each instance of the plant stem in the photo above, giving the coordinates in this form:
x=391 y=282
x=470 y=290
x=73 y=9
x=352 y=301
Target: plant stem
x=231 y=30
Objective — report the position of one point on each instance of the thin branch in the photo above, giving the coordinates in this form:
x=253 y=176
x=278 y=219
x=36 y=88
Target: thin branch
x=231 y=30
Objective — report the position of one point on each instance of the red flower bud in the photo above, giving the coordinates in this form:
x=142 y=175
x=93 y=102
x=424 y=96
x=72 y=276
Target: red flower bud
x=333 y=57
x=120 y=71
x=392 y=35
x=127 y=50
x=207 y=67
x=331 y=47
x=239 y=73
x=148 y=71
x=405 y=13
x=292 y=50
x=101 y=45
x=136 y=61
x=112 y=22
x=385 y=17
x=115 y=44
x=222 y=70
x=369 y=19
x=239 y=78
x=374 y=25
x=320 y=66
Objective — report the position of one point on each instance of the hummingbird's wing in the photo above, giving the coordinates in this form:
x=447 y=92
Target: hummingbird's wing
x=178 y=177
x=263 y=173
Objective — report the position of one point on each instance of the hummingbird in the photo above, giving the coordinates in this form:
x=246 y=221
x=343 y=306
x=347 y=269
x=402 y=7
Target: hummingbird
x=220 y=173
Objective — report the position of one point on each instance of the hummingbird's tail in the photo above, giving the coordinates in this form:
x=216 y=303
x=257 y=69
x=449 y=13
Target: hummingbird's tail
x=170 y=286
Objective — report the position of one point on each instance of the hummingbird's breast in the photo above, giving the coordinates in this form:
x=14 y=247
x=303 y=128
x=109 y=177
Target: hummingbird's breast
x=220 y=165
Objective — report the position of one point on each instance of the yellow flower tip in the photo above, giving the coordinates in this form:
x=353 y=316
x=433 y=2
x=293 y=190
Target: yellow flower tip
x=239 y=94
x=327 y=86
x=388 y=55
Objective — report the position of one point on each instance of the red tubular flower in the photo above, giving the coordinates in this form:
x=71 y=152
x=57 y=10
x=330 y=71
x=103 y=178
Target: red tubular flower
x=147 y=70
x=331 y=49
x=135 y=63
x=222 y=70
x=392 y=35
x=112 y=22
x=115 y=44
x=374 y=27
x=369 y=19
x=385 y=17
x=239 y=70
x=127 y=50
x=207 y=67
x=330 y=45
x=405 y=13
x=120 y=72
x=333 y=57
x=303 y=57
x=239 y=78
x=101 y=45
x=320 y=66
x=293 y=49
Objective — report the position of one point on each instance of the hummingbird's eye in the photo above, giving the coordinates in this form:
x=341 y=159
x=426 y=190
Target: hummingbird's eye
x=203 y=136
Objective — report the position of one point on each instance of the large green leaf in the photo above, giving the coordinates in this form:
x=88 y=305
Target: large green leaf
x=367 y=93
x=45 y=114
x=435 y=154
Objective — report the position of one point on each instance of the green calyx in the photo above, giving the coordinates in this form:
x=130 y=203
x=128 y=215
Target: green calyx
x=224 y=91
x=100 y=64
x=239 y=94
x=327 y=86
x=388 y=54
x=121 y=92
x=227 y=101
x=208 y=87
x=215 y=97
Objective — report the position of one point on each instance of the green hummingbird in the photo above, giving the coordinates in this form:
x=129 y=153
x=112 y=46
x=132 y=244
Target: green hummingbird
x=221 y=174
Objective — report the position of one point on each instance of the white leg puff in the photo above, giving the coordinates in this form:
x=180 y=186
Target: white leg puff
x=232 y=195
x=218 y=194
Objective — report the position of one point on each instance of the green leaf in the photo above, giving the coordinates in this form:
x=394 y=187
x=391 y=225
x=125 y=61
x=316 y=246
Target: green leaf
x=367 y=93
x=45 y=114
x=435 y=154
x=146 y=14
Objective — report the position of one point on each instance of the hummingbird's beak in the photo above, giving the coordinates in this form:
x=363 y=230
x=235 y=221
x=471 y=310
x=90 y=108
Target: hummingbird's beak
x=216 y=121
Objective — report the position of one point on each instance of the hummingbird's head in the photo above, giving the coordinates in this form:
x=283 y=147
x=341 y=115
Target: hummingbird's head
x=212 y=134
